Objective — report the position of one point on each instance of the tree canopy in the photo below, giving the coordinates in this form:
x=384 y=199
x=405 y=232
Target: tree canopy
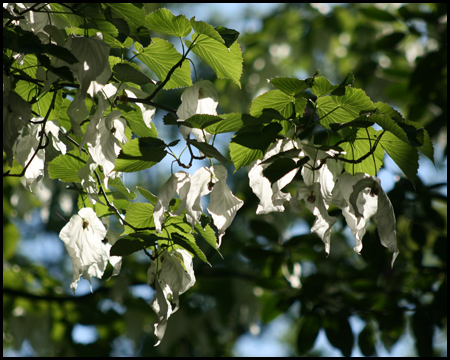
x=214 y=180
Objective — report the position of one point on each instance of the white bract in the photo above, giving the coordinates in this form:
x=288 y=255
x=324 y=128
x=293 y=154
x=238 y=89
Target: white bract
x=180 y=183
x=360 y=197
x=92 y=54
x=104 y=142
x=327 y=173
x=315 y=202
x=84 y=237
x=170 y=274
x=270 y=195
x=223 y=204
x=26 y=146
x=200 y=98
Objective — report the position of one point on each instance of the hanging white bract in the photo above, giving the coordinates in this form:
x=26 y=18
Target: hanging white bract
x=170 y=274
x=84 y=238
x=200 y=98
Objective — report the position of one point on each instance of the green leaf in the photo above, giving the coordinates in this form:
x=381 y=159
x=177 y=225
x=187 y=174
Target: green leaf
x=140 y=154
x=132 y=243
x=290 y=154
x=374 y=13
x=183 y=239
x=66 y=167
x=389 y=42
x=129 y=12
x=135 y=120
x=160 y=57
x=118 y=185
x=279 y=168
x=200 y=121
x=345 y=108
x=290 y=86
x=416 y=136
x=265 y=229
x=164 y=21
x=226 y=63
x=207 y=234
x=367 y=341
x=403 y=154
x=229 y=36
x=231 y=122
x=310 y=325
x=355 y=123
x=322 y=86
x=60 y=52
x=139 y=215
x=273 y=99
x=170 y=119
x=248 y=145
x=209 y=150
x=130 y=73
x=148 y=195
x=358 y=146
x=180 y=232
x=200 y=27
x=339 y=332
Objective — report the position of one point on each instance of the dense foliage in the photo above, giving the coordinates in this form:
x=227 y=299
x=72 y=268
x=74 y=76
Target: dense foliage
x=95 y=92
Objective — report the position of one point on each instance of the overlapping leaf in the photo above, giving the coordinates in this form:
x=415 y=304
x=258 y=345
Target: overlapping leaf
x=140 y=154
x=226 y=63
x=164 y=21
x=66 y=167
x=160 y=57
x=359 y=146
x=345 y=108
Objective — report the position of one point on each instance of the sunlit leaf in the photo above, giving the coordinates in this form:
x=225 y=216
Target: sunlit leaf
x=345 y=108
x=226 y=63
x=140 y=154
x=162 y=20
x=160 y=56
x=66 y=167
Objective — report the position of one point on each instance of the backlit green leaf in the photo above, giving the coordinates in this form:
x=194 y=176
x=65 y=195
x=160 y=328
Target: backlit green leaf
x=229 y=36
x=162 y=20
x=403 y=154
x=200 y=27
x=322 y=86
x=290 y=86
x=345 y=108
x=130 y=73
x=66 y=167
x=130 y=244
x=247 y=146
x=201 y=121
x=359 y=146
x=273 y=99
x=160 y=56
x=139 y=215
x=140 y=154
x=209 y=151
x=227 y=63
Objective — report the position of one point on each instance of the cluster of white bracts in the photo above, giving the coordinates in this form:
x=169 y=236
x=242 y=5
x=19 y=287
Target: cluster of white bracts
x=359 y=196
